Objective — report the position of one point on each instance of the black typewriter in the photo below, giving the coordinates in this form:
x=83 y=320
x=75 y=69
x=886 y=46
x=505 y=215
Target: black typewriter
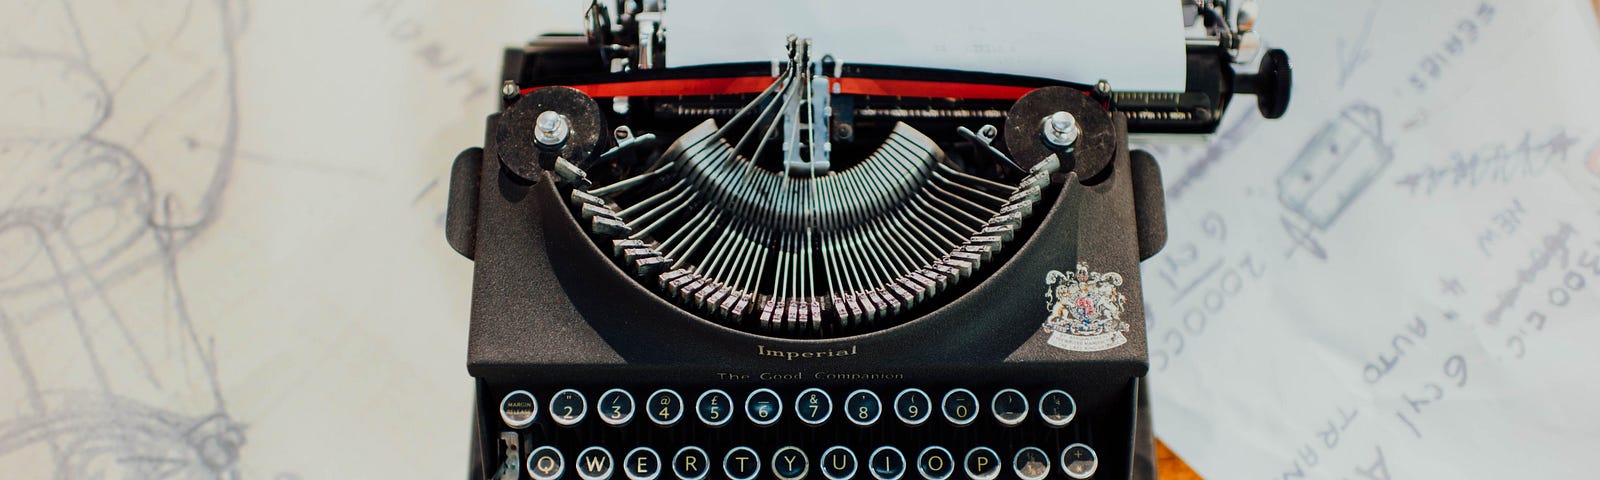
x=811 y=268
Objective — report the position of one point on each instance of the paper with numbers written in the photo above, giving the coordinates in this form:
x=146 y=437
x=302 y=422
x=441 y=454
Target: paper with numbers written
x=1401 y=277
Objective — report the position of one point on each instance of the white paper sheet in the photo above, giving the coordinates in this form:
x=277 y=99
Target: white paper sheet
x=1397 y=279
x=1136 y=45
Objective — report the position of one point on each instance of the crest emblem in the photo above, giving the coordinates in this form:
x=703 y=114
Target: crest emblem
x=1085 y=310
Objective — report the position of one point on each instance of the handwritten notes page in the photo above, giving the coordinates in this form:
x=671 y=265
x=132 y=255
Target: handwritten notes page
x=1401 y=278
x=221 y=251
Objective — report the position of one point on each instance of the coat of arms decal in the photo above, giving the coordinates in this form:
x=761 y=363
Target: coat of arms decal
x=1085 y=310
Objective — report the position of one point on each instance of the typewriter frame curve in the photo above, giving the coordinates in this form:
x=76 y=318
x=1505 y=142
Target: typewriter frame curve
x=544 y=312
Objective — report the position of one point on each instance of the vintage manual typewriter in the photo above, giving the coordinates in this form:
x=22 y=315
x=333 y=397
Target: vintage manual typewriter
x=796 y=247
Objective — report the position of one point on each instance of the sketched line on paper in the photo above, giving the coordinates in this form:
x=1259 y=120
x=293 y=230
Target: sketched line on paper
x=1497 y=164
x=102 y=186
x=1336 y=165
x=1353 y=52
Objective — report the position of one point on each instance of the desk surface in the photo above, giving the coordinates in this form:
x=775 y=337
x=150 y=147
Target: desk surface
x=1171 y=467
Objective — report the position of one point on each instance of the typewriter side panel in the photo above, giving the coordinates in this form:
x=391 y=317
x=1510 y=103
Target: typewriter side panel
x=520 y=313
x=1103 y=243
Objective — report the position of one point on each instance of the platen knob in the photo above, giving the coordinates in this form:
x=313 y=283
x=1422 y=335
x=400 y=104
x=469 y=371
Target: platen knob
x=1270 y=84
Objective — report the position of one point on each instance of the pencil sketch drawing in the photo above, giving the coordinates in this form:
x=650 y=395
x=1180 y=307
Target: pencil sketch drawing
x=118 y=132
x=1336 y=165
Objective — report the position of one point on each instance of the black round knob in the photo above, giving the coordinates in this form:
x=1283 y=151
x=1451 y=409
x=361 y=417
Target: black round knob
x=1273 y=82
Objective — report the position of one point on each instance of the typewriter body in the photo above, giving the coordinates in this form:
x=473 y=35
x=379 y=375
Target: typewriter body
x=810 y=268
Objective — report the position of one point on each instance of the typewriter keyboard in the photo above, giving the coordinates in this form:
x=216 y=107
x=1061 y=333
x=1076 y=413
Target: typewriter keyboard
x=881 y=434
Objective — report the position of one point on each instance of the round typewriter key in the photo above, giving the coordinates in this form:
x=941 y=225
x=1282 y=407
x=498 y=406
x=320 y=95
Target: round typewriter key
x=1079 y=461
x=568 y=407
x=1031 y=464
x=863 y=407
x=714 y=407
x=982 y=464
x=887 y=463
x=545 y=463
x=935 y=463
x=665 y=407
x=813 y=406
x=913 y=406
x=642 y=464
x=616 y=407
x=838 y=463
x=519 y=409
x=594 y=463
x=741 y=463
x=960 y=406
x=789 y=463
x=1057 y=408
x=1009 y=407
x=691 y=463
x=763 y=406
